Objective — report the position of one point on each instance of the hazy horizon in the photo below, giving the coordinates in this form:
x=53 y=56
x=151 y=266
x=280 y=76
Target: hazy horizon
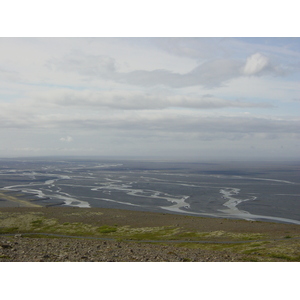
x=155 y=159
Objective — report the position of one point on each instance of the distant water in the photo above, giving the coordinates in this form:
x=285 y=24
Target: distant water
x=251 y=191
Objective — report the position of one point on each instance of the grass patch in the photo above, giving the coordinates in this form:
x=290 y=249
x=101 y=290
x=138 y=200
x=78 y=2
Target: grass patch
x=37 y=223
x=5 y=230
x=147 y=233
x=107 y=229
x=220 y=235
x=284 y=257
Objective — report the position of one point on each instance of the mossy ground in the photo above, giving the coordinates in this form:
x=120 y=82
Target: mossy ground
x=268 y=245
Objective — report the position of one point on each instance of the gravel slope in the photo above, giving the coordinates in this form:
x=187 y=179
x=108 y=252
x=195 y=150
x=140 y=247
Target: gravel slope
x=21 y=249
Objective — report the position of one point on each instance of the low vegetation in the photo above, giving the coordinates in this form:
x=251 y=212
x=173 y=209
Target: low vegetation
x=253 y=246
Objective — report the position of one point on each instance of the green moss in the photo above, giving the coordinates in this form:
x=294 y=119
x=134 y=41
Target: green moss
x=284 y=257
x=107 y=229
x=37 y=223
x=8 y=230
x=147 y=233
x=219 y=235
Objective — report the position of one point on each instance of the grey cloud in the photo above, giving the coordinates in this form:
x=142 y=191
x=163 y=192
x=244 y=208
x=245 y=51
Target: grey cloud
x=162 y=122
x=87 y=65
x=209 y=74
x=13 y=117
x=130 y=100
x=9 y=75
x=213 y=73
x=201 y=124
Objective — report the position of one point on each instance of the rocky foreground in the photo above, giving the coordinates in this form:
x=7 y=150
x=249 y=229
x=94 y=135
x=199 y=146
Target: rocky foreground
x=114 y=235
x=22 y=249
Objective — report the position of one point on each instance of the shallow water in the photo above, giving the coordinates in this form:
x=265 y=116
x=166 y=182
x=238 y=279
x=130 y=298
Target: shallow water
x=262 y=191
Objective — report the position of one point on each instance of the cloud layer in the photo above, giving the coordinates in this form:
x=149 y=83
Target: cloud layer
x=154 y=96
x=210 y=73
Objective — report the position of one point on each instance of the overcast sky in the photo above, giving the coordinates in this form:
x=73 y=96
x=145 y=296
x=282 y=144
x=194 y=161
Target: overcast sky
x=191 y=98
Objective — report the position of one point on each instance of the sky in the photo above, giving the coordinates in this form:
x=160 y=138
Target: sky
x=190 y=98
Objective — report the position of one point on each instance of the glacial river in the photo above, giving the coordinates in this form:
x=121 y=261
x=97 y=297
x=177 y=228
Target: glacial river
x=174 y=190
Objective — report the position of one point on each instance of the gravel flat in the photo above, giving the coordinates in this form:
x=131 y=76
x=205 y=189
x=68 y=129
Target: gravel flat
x=19 y=249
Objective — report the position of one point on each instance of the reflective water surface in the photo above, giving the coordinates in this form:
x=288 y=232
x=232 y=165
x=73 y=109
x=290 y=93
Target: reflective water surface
x=268 y=191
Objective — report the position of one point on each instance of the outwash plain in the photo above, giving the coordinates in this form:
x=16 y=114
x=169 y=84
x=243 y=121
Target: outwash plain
x=87 y=211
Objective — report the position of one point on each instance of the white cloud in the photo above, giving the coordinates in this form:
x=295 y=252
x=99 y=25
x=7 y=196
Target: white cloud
x=255 y=64
x=67 y=139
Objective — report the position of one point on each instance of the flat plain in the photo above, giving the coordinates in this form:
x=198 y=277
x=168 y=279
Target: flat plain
x=92 y=210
